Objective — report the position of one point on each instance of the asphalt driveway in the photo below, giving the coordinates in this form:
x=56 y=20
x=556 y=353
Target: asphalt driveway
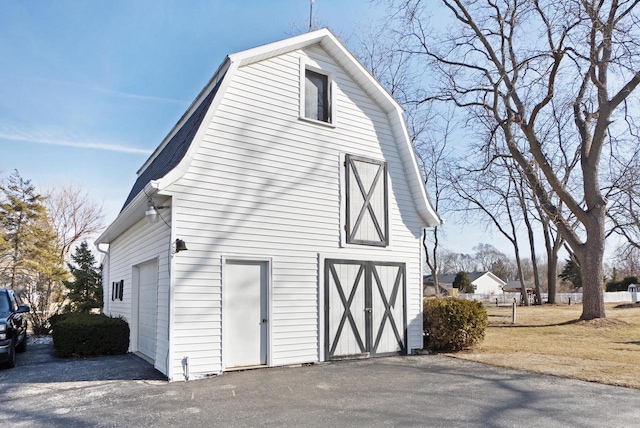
x=431 y=391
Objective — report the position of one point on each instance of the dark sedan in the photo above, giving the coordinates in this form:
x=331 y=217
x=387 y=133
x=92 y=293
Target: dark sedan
x=13 y=328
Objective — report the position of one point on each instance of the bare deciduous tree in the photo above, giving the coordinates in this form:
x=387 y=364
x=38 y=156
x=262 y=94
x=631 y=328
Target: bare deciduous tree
x=624 y=194
x=487 y=256
x=627 y=261
x=452 y=262
x=73 y=216
x=489 y=192
x=433 y=156
x=429 y=135
x=506 y=62
x=553 y=242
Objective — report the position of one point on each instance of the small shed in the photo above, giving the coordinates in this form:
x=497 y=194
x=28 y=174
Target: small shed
x=633 y=289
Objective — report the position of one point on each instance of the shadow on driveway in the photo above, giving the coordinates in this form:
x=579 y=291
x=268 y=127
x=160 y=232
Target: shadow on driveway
x=426 y=390
x=39 y=365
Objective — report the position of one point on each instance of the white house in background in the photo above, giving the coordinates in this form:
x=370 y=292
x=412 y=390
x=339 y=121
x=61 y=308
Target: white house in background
x=482 y=282
x=486 y=283
x=290 y=212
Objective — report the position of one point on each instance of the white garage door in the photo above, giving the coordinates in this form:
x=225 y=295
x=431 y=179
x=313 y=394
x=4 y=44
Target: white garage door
x=147 y=308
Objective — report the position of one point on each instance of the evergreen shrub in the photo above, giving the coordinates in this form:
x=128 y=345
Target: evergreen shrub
x=452 y=324
x=621 y=285
x=84 y=335
x=463 y=283
x=56 y=318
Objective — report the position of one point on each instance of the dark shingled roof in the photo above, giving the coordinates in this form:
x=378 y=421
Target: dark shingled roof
x=175 y=149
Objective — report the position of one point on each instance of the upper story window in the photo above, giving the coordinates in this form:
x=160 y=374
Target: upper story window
x=367 y=207
x=316 y=96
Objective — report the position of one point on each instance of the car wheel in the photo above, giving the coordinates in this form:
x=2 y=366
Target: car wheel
x=22 y=347
x=11 y=362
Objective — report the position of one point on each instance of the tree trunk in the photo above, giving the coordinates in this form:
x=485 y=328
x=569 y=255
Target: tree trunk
x=591 y=256
x=552 y=246
x=523 y=287
x=558 y=242
x=592 y=274
x=552 y=275
x=552 y=260
x=532 y=247
x=431 y=264
x=15 y=259
x=536 y=280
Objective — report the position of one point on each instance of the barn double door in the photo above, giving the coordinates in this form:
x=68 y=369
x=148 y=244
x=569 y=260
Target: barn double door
x=364 y=308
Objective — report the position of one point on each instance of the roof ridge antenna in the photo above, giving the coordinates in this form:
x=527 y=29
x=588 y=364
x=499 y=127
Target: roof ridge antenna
x=311 y=2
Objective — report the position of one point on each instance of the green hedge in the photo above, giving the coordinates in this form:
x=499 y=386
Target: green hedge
x=82 y=334
x=56 y=318
x=452 y=324
x=621 y=285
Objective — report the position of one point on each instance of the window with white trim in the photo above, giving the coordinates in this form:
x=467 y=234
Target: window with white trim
x=316 y=94
x=117 y=290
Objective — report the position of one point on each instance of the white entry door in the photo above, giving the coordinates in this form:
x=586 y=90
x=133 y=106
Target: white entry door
x=147 y=308
x=245 y=313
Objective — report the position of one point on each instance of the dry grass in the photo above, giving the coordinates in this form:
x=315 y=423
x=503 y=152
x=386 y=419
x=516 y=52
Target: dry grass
x=551 y=340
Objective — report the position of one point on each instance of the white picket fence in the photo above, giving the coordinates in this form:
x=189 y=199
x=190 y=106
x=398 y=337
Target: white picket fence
x=507 y=298
x=618 y=296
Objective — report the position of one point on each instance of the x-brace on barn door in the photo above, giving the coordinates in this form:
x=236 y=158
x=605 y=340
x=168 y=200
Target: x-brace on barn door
x=367 y=207
x=364 y=308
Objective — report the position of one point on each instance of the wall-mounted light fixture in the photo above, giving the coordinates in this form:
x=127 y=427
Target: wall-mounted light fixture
x=152 y=213
x=180 y=245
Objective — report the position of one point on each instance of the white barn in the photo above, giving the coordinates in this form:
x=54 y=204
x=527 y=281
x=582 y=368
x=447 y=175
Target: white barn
x=293 y=186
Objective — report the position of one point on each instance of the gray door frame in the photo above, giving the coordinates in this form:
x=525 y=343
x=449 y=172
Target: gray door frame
x=367 y=343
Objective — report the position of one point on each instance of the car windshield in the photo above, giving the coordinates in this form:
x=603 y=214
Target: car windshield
x=4 y=304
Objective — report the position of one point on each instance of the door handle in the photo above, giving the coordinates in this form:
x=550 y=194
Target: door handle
x=264 y=320
x=367 y=309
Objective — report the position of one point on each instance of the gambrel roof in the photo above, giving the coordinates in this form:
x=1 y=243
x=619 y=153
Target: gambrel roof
x=171 y=159
x=173 y=152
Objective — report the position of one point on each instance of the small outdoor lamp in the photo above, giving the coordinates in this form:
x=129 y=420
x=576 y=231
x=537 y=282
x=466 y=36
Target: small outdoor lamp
x=152 y=213
x=180 y=245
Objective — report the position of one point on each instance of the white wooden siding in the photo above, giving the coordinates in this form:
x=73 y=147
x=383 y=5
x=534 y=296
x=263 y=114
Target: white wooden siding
x=141 y=243
x=267 y=184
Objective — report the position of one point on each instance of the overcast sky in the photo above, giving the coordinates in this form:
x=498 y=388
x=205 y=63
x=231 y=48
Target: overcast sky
x=88 y=89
